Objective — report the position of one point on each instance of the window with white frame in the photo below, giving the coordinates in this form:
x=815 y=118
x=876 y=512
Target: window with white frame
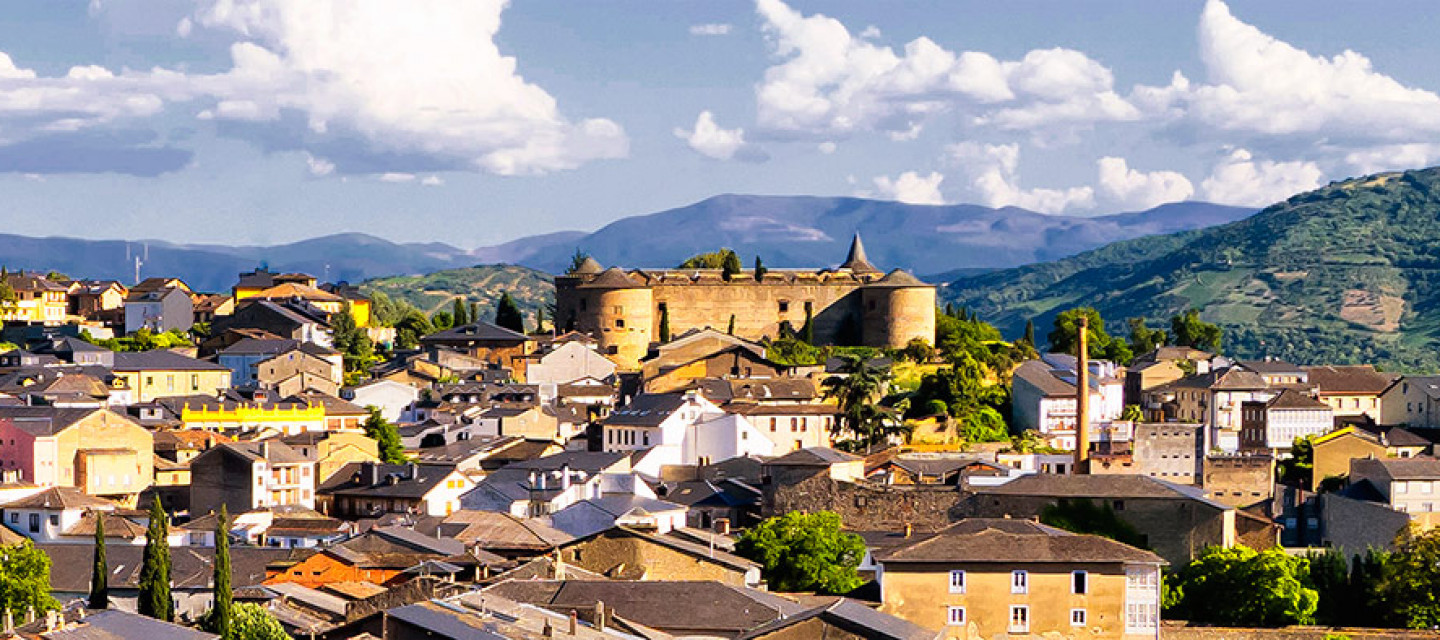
x=1019 y=619
x=1019 y=582
x=957 y=581
x=1142 y=599
x=1077 y=617
x=955 y=616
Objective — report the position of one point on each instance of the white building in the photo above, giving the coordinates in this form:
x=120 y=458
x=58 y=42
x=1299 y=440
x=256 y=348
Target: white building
x=1275 y=424
x=540 y=487
x=1043 y=396
x=567 y=363
x=681 y=429
x=389 y=396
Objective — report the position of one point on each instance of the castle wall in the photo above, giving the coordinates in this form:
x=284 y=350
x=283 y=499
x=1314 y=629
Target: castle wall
x=624 y=322
x=894 y=316
x=757 y=307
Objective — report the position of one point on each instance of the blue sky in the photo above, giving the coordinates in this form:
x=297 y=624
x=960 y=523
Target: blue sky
x=473 y=122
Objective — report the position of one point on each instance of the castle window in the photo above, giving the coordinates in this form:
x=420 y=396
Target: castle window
x=784 y=306
x=619 y=310
x=612 y=350
x=619 y=323
x=662 y=307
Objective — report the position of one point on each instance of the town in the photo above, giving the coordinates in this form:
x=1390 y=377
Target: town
x=699 y=451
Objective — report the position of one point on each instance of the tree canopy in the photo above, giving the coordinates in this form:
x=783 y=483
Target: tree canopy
x=25 y=580
x=508 y=314
x=100 y=573
x=1411 y=584
x=253 y=622
x=384 y=433
x=712 y=260
x=857 y=388
x=154 y=598
x=1101 y=345
x=805 y=552
x=1239 y=586
x=1190 y=331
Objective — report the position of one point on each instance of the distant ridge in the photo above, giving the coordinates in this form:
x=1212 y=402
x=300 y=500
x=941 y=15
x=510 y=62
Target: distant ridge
x=786 y=231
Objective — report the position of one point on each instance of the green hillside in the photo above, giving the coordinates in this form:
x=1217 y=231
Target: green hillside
x=482 y=284
x=1343 y=274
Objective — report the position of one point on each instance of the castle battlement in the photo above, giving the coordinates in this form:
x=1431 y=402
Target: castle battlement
x=853 y=303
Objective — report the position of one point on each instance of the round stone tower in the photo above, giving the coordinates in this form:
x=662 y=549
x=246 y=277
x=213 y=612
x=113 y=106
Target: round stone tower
x=897 y=309
x=622 y=310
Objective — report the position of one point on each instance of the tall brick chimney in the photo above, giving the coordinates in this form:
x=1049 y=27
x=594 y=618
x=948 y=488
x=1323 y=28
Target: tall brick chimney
x=1082 y=398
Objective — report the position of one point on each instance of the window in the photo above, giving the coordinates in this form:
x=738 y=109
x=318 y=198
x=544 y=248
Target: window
x=1079 y=582
x=1019 y=582
x=194 y=382
x=54 y=519
x=1077 y=617
x=1118 y=505
x=1425 y=487
x=619 y=323
x=34 y=523
x=1401 y=487
x=1019 y=619
x=956 y=616
x=794 y=425
x=773 y=423
x=14 y=518
x=957 y=581
x=784 y=306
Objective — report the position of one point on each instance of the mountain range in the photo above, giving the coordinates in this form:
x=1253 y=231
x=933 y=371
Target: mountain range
x=1348 y=273
x=786 y=231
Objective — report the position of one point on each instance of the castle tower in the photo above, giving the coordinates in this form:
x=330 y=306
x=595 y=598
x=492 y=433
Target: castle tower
x=856 y=261
x=618 y=311
x=897 y=309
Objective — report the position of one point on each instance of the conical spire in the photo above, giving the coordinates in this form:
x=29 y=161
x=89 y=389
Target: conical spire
x=855 y=261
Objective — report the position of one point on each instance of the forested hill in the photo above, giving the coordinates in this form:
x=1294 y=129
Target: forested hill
x=1344 y=274
x=482 y=284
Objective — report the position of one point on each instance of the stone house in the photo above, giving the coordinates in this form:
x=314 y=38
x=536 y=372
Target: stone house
x=626 y=553
x=1352 y=391
x=1273 y=425
x=98 y=451
x=372 y=489
x=249 y=475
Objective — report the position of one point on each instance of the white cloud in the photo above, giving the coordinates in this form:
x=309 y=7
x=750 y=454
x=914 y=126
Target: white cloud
x=432 y=181
x=319 y=166
x=1239 y=179
x=710 y=140
x=397 y=177
x=1393 y=157
x=830 y=83
x=710 y=29
x=826 y=147
x=994 y=176
x=1137 y=190
x=1263 y=86
x=381 y=85
x=910 y=188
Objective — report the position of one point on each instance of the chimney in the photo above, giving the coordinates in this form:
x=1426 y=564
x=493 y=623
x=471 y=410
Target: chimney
x=534 y=479
x=574 y=623
x=1082 y=398
x=547 y=631
x=909 y=529
x=265 y=449
x=600 y=616
x=374 y=471
x=565 y=477
x=412 y=470
x=722 y=526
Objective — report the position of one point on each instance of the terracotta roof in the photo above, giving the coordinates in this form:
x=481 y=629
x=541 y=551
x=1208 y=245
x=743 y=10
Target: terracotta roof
x=1355 y=379
x=1000 y=540
x=115 y=526
x=612 y=278
x=60 y=498
x=813 y=457
x=295 y=290
x=354 y=590
x=502 y=531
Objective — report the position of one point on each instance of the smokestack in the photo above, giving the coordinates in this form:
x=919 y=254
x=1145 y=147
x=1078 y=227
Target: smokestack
x=722 y=526
x=1082 y=398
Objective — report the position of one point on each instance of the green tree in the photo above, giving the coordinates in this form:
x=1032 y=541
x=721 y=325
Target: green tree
x=540 y=319
x=807 y=331
x=1411 y=583
x=730 y=267
x=713 y=260
x=577 y=259
x=1101 y=345
x=460 y=312
x=1085 y=516
x=1239 y=586
x=508 y=314
x=1143 y=339
x=222 y=614
x=1029 y=336
x=1132 y=413
x=665 y=324
x=442 y=320
x=25 y=580
x=1299 y=468
x=411 y=328
x=385 y=436
x=857 y=388
x=254 y=622
x=760 y=270
x=155 y=568
x=100 y=574
x=1367 y=607
x=804 y=552
x=1329 y=576
x=351 y=340
x=1190 y=331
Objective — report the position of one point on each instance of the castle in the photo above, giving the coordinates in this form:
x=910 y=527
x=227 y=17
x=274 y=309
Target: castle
x=854 y=303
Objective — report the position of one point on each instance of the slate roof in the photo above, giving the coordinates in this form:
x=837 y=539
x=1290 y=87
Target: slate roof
x=1041 y=375
x=588 y=266
x=115 y=526
x=1271 y=366
x=475 y=331
x=1008 y=541
x=851 y=616
x=115 y=624
x=1292 y=399
x=461 y=450
x=612 y=278
x=190 y=567
x=60 y=498
x=813 y=457
x=278 y=452
x=647 y=409
x=411 y=481
x=502 y=531
x=161 y=360
x=1095 y=486
x=700 y=551
x=394 y=547
x=259 y=347
x=693 y=606
x=899 y=278
x=44 y=421
x=1355 y=379
x=1417 y=468
x=855 y=259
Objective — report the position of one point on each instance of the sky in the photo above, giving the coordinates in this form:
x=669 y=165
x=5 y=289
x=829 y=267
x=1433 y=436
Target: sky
x=473 y=122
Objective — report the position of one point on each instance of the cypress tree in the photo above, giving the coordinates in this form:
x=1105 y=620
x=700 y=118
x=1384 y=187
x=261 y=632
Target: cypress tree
x=155 y=568
x=731 y=328
x=664 y=324
x=100 y=577
x=223 y=612
x=540 y=319
x=474 y=312
x=460 y=312
x=730 y=266
x=950 y=309
x=1030 y=332
x=508 y=314
x=760 y=269
x=807 y=332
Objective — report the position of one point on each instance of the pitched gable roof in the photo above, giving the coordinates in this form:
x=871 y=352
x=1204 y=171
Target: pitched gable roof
x=999 y=540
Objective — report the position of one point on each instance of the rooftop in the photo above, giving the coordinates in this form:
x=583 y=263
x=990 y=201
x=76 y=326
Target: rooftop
x=1007 y=541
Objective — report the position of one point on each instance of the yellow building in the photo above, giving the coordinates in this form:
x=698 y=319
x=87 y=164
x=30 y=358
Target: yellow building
x=1352 y=390
x=38 y=300
x=98 y=451
x=263 y=285
x=166 y=374
x=283 y=418
x=988 y=578
x=331 y=451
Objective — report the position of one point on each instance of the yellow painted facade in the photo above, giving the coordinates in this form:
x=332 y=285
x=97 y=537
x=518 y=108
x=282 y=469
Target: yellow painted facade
x=39 y=307
x=150 y=384
x=923 y=595
x=285 y=419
